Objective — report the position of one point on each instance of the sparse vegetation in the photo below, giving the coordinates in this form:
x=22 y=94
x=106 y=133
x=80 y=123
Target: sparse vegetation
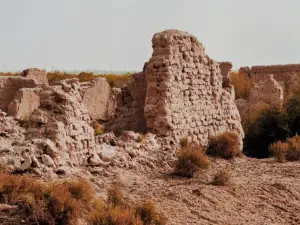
x=191 y=159
x=225 y=145
x=242 y=84
x=49 y=204
x=64 y=202
x=222 y=178
x=117 y=212
x=114 y=80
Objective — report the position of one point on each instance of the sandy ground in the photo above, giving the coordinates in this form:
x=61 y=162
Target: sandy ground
x=261 y=192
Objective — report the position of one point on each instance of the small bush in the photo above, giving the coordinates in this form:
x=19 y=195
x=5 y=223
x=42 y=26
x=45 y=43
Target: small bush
x=222 y=178
x=183 y=142
x=279 y=150
x=98 y=131
x=288 y=150
x=293 y=153
x=108 y=215
x=149 y=214
x=225 y=145
x=190 y=160
x=115 y=195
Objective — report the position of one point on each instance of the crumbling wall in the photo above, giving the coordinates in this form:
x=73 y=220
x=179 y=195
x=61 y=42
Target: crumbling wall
x=287 y=75
x=126 y=109
x=38 y=75
x=184 y=96
x=265 y=93
x=9 y=86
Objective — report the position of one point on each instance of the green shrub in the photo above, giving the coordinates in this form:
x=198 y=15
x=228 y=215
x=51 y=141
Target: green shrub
x=292 y=108
x=270 y=126
x=190 y=160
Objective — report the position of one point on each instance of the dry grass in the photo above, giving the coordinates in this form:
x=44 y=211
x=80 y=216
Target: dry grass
x=115 y=195
x=149 y=214
x=279 y=150
x=225 y=145
x=118 y=212
x=107 y=215
x=49 y=204
x=222 y=178
x=114 y=80
x=8 y=74
x=117 y=80
x=242 y=84
x=183 y=142
x=288 y=150
x=191 y=159
x=65 y=202
x=293 y=153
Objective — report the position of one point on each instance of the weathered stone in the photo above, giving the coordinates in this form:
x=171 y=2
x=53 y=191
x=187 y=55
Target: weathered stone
x=178 y=65
x=96 y=99
x=106 y=152
x=25 y=102
x=9 y=86
x=266 y=92
x=38 y=75
x=47 y=160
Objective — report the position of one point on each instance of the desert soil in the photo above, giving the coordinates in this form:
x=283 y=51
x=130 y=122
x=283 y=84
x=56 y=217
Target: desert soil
x=261 y=192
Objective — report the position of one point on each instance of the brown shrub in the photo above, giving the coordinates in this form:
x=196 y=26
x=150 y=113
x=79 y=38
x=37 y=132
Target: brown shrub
x=114 y=80
x=242 y=84
x=112 y=215
x=57 y=76
x=183 y=142
x=149 y=214
x=225 y=145
x=293 y=153
x=118 y=81
x=86 y=76
x=288 y=150
x=190 y=160
x=279 y=150
x=222 y=178
x=115 y=195
x=56 y=203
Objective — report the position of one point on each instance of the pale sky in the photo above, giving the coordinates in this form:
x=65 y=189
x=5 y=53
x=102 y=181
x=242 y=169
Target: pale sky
x=116 y=34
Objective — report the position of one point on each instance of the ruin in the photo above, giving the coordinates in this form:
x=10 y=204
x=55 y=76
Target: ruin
x=181 y=93
x=287 y=75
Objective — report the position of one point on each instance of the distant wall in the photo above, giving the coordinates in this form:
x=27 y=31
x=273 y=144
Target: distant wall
x=287 y=75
